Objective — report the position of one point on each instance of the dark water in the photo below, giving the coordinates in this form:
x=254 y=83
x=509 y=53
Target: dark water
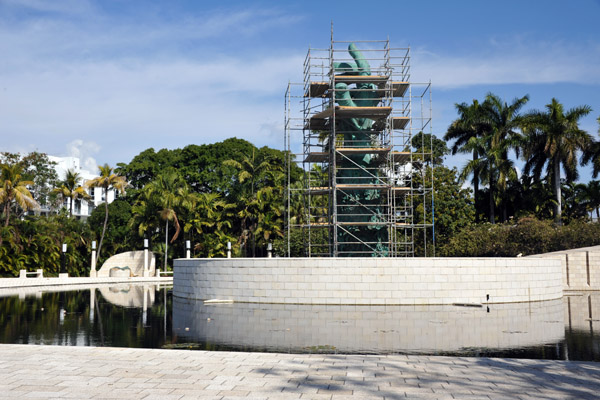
x=148 y=316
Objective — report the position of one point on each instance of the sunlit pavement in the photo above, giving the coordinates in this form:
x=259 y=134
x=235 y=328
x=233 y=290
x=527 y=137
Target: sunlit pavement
x=28 y=371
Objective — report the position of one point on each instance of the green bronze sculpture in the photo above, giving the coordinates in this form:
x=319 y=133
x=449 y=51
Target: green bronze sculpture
x=361 y=206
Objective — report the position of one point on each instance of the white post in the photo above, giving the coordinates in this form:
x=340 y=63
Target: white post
x=145 y=306
x=63 y=260
x=145 y=258
x=228 y=249
x=187 y=249
x=269 y=250
x=93 y=273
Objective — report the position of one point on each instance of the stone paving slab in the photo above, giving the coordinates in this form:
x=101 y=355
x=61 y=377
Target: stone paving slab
x=28 y=371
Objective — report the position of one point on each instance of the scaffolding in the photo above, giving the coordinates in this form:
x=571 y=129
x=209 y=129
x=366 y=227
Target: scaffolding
x=352 y=126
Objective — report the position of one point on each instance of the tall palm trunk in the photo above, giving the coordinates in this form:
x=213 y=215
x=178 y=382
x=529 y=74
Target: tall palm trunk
x=105 y=223
x=476 y=185
x=557 y=192
x=492 y=203
x=71 y=207
x=7 y=213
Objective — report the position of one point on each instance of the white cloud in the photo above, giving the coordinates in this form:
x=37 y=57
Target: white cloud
x=508 y=62
x=65 y=81
x=84 y=151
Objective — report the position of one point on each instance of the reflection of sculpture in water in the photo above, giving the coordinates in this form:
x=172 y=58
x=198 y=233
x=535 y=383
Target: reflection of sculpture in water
x=125 y=295
x=359 y=205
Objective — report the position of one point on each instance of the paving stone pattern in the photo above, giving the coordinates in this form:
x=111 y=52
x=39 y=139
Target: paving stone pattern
x=28 y=371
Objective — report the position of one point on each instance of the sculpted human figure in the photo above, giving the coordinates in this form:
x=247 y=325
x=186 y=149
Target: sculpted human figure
x=358 y=205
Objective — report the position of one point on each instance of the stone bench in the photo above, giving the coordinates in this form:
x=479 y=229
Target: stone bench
x=39 y=273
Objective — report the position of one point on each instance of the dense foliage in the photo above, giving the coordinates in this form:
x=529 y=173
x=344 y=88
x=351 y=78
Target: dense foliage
x=35 y=242
x=234 y=192
x=526 y=237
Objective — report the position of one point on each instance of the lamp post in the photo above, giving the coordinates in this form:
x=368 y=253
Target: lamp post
x=93 y=269
x=228 y=249
x=145 y=258
x=63 y=260
x=187 y=249
x=269 y=250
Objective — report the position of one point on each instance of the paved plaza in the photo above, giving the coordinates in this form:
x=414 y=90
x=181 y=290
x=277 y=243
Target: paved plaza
x=28 y=371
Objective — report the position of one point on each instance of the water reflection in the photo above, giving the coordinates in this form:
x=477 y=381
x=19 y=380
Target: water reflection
x=118 y=315
x=140 y=316
x=370 y=329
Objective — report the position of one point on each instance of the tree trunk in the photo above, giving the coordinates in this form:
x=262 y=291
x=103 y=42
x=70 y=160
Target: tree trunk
x=557 y=193
x=475 y=185
x=71 y=207
x=492 y=203
x=105 y=223
x=7 y=213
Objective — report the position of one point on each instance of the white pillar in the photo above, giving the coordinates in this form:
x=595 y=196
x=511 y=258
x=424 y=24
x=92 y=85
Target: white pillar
x=228 y=249
x=187 y=249
x=93 y=273
x=92 y=303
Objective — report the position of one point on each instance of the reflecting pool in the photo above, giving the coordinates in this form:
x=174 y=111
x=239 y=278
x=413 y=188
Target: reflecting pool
x=148 y=316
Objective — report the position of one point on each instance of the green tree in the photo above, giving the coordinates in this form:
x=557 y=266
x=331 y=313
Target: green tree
x=106 y=181
x=592 y=154
x=14 y=191
x=211 y=218
x=454 y=207
x=467 y=131
x=37 y=168
x=167 y=193
x=71 y=189
x=257 y=172
x=504 y=122
x=425 y=144
x=118 y=236
x=553 y=140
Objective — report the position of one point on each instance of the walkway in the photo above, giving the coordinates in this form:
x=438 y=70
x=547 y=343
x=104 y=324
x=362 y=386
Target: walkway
x=28 y=371
x=70 y=283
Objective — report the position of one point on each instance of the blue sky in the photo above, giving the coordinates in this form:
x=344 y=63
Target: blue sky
x=104 y=80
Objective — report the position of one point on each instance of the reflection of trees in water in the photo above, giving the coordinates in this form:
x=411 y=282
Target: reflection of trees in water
x=37 y=320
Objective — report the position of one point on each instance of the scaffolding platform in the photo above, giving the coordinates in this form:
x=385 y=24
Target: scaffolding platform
x=395 y=89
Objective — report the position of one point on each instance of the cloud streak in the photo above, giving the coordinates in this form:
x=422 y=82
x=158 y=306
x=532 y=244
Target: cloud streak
x=510 y=62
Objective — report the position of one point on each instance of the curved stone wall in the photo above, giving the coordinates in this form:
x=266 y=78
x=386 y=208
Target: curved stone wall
x=369 y=281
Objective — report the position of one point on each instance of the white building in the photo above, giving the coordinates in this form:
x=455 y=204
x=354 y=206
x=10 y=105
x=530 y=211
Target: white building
x=81 y=208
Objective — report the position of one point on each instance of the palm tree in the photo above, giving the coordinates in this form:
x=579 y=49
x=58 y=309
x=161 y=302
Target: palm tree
x=465 y=131
x=553 y=139
x=107 y=180
x=591 y=196
x=593 y=154
x=503 y=121
x=169 y=190
x=254 y=173
x=15 y=190
x=71 y=189
x=489 y=131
